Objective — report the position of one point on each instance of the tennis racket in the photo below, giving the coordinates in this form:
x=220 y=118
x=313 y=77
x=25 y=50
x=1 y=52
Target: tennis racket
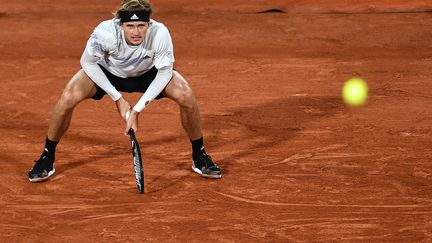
x=137 y=161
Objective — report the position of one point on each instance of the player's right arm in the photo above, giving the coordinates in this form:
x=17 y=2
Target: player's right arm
x=101 y=43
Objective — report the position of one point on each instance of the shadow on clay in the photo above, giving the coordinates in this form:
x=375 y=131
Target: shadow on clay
x=265 y=125
x=259 y=127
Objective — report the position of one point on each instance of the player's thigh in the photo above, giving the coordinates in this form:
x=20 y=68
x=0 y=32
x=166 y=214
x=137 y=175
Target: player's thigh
x=80 y=87
x=178 y=88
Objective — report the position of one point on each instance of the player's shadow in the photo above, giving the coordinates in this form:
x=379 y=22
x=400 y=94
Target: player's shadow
x=250 y=130
x=238 y=133
x=70 y=165
x=255 y=128
x=166 y=179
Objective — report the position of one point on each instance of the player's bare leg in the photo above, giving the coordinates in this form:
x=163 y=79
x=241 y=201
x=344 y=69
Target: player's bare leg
x=79 y=88
x=179 y=91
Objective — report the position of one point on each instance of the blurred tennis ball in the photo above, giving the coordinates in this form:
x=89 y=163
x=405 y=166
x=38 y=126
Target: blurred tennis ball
x=355 y=92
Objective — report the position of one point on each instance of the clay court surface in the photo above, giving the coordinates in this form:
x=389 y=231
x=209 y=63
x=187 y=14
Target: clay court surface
x=299 y=165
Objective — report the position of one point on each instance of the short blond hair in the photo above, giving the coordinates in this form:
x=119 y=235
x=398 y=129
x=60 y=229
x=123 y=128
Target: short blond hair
x=133 y=5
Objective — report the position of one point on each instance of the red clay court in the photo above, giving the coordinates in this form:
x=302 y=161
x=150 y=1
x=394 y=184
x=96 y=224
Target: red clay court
x=299 y=165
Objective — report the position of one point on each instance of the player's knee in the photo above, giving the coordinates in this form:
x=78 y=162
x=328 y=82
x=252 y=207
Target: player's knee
x=69 y=99
x=186 y=98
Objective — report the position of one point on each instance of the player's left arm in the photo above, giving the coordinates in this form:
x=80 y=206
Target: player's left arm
x=163 y=61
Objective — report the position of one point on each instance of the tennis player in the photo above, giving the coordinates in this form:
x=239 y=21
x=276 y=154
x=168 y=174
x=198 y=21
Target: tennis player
x=129 y=53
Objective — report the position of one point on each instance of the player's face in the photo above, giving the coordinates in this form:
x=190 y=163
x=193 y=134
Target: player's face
x=135 y=32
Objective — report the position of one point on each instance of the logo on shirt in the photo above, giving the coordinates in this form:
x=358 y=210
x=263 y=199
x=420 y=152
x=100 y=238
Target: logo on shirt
x=134 y=17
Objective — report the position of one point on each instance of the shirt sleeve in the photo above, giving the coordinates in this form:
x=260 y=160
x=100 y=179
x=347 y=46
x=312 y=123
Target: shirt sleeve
x=95 y=73
x=161 y=80
x=163 y=49
x=101 y=42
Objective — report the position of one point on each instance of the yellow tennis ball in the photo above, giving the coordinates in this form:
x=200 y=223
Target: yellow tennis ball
x=355 y=92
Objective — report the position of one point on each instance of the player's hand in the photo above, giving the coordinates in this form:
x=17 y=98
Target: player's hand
x=122 y=107
x=132 y=121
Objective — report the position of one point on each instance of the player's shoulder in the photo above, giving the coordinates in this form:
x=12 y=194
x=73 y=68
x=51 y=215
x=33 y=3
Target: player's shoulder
x=156 y=24
x=107 y=32
x=158 y=29
x=110 y=25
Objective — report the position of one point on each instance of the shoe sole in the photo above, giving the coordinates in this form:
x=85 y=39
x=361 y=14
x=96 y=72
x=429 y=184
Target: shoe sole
x=198 y=171
x=38 y=179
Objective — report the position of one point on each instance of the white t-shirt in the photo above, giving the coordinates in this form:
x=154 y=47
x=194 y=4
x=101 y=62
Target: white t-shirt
x=122 y=60
x=107 y=47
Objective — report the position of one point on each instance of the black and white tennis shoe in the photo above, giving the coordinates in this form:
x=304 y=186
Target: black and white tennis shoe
x=205 y=166
x=43 y=168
